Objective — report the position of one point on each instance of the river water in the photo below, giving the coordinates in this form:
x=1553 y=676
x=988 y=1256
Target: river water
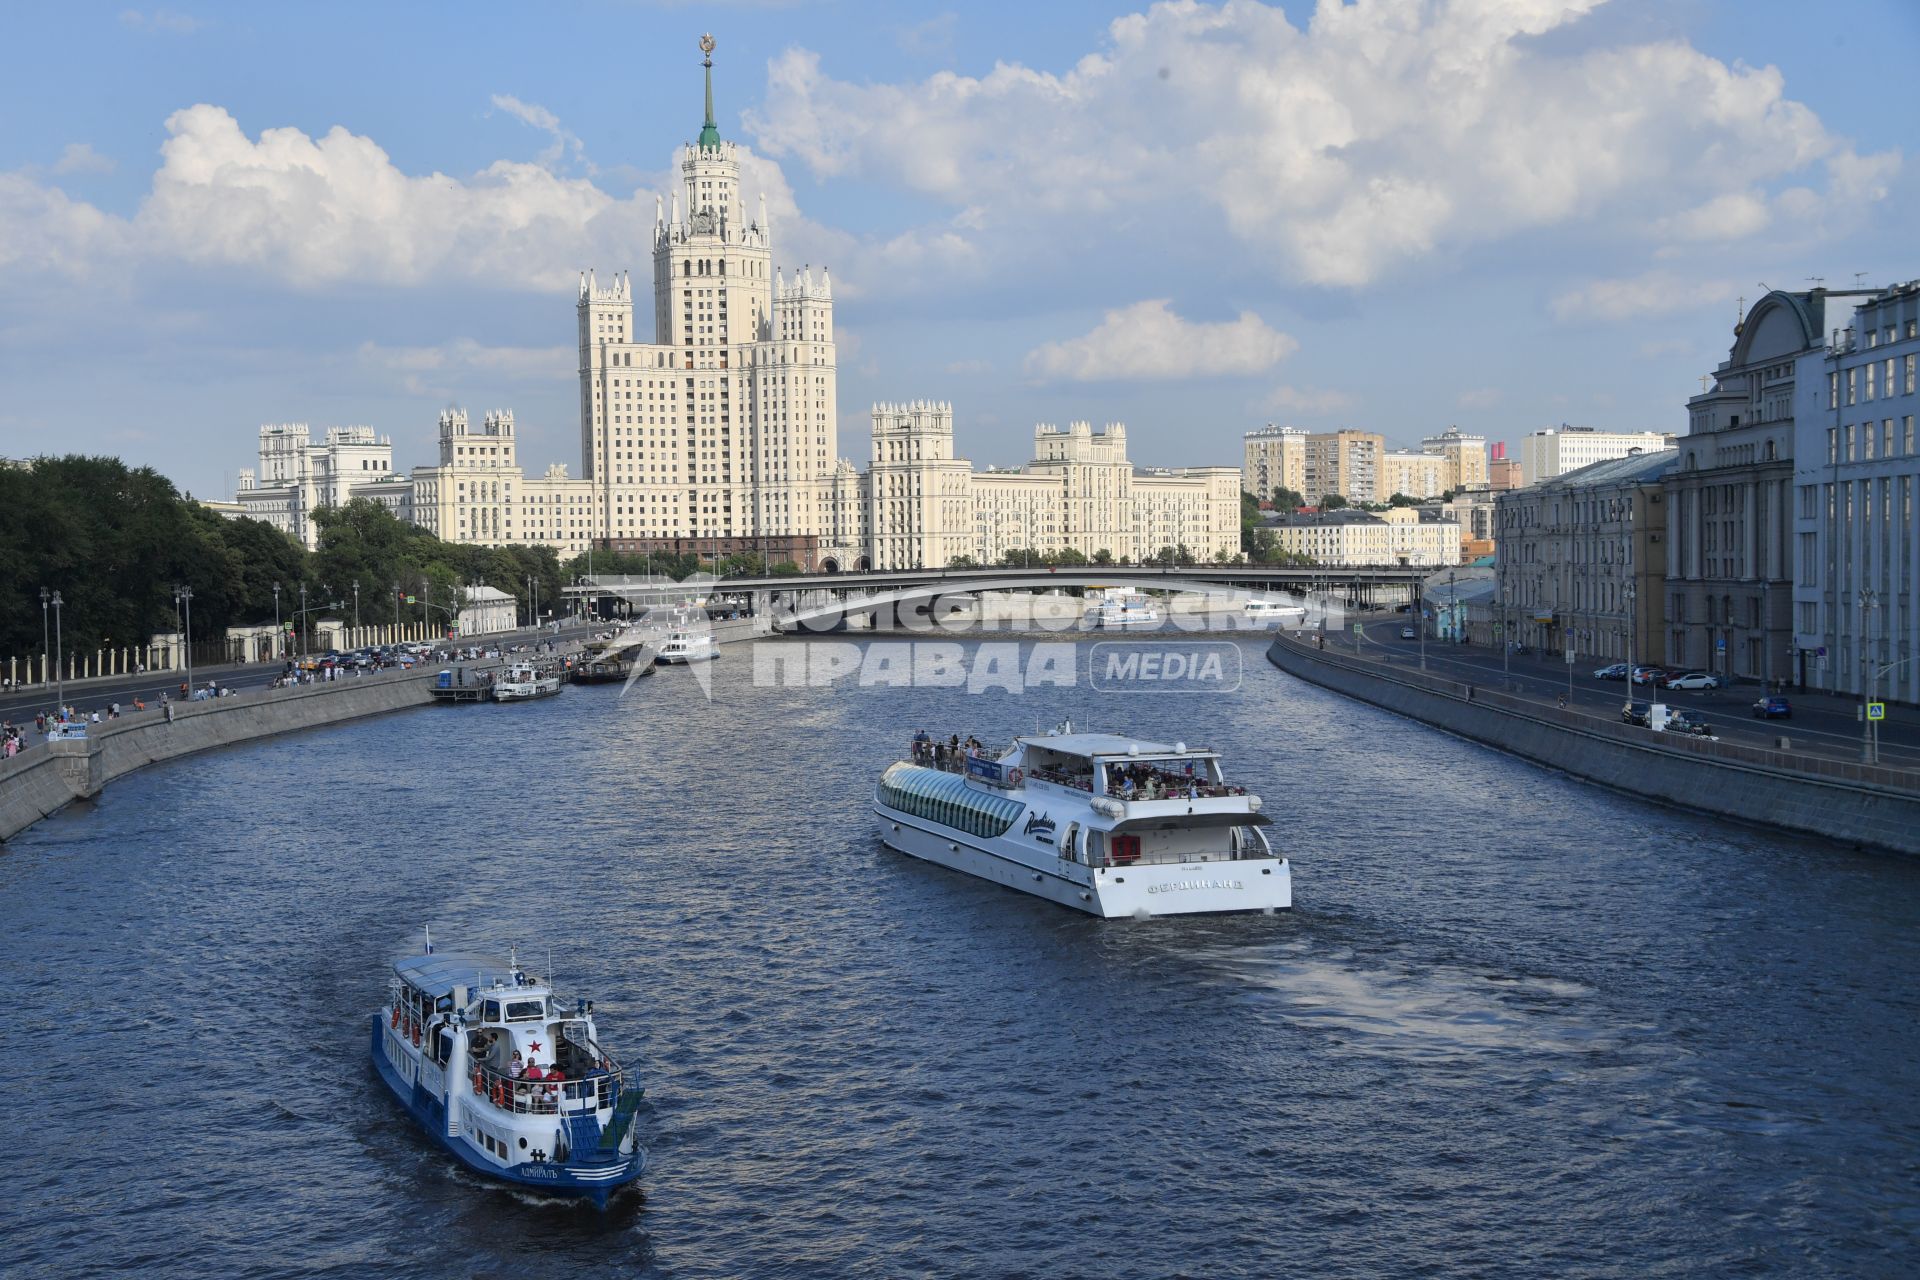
x=1515 y=1025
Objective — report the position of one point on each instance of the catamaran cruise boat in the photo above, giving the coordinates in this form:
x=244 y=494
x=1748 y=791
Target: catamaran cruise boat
x=1122 y=609
x=688 y=646
x=1109 y=825
x=523 y=681
x=504 y=1075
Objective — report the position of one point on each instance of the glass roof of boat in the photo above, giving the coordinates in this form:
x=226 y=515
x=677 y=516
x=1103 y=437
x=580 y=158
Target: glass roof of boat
x=1103 y=744
x=444 y=970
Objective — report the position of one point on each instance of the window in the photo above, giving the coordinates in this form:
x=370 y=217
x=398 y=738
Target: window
x=1853 y=385
x=1873 y=376
x=1833 y=444
x=525 y=1010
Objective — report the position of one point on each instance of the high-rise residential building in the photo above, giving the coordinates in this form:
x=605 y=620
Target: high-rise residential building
x=1466 y=457
x=1730 y=516
x=1856 y=566
x=297 y=477
x=1556 y=450
x=1415 y=475
x=1583 y=558
x=1275 y=458
x=719 y=435
x=1345 y=462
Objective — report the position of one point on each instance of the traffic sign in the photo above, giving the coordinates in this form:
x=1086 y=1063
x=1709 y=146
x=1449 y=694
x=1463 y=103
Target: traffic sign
x=1821 y=651
x=1569 y=655
x=1876 y=711
x=1721 y=644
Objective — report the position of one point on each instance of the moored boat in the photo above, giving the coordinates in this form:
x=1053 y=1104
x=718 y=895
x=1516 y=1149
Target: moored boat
x=500 y=1072
x=522 y=682
x=1106 y=824
x=688 y=646
x=1124 y=609
x=1273 y=613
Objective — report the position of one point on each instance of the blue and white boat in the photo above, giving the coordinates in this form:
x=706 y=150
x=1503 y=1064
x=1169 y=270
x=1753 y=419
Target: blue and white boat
x=507 y=1077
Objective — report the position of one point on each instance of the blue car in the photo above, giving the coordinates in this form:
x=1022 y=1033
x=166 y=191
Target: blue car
x=1773 y=707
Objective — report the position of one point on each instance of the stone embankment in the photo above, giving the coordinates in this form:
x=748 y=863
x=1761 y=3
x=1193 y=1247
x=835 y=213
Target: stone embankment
x=1853 y=803
x=50 y=775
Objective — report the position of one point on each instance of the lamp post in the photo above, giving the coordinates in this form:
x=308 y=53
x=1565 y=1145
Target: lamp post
x=59 y=658
x=1869 y=601
x=356 y=610
x=276 y=621
x=46 y=649
x=397 y=594
x=1632 y=627
x=185 y=596
x=304 y=638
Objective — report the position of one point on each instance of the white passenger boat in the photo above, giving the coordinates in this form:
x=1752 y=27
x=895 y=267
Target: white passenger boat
x=1273 y=613
x=506 y=1076
x=522 y=682
x=1109 y=825
x=687 y=646
x=1124 y=609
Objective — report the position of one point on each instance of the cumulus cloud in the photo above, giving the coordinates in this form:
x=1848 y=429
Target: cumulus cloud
x=532 y=114
x=440 y=369
x=80 y=157
x=1307 y=400
x=1655 y=292
x=1147 y=340
x=1377 y=134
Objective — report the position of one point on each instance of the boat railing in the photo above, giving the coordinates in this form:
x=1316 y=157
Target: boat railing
x=597 y=1089
x=940 y=755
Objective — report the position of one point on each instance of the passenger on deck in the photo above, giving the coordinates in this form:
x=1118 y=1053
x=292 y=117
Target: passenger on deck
x=516 y=1068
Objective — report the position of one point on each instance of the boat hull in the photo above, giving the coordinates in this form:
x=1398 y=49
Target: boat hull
x=596 y=1181
x=1160 y=889
x=521 y=694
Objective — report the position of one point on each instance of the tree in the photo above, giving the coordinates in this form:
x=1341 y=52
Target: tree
x=963 y=562
x=1332 y=502
x=1285 y=499
x=1402 y=500
x=1103 y=557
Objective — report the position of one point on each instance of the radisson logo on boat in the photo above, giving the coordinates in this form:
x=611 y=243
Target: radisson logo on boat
x=1174 y=885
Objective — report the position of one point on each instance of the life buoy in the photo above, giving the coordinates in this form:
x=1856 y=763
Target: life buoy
x=395 y=1020
x=416 y=1035
x=1015 y=777
x=478 y=1087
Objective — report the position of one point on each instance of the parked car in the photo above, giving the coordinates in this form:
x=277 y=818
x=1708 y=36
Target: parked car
x=1694 y=680
x=1408 y=633
x=1639 y=713
x=1644 y=673
x=1618 y=671
x=1773 y=707
x=1682 y=721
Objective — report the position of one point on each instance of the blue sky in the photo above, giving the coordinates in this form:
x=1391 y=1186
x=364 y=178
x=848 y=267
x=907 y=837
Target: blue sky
x=1192 y=218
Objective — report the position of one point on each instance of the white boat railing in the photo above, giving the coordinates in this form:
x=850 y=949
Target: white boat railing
x=596 y=1090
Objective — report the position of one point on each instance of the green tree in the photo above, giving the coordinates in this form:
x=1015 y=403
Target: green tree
x=1332 y=502
x=1285 y=499
x=1402 y=500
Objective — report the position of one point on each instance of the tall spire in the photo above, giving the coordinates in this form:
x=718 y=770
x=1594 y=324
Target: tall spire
x=709 y=132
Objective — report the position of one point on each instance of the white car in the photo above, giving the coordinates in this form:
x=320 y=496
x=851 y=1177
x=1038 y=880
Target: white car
x=1695 y=680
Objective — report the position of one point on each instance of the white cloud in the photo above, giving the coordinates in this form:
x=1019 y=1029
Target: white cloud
x=1307 y=400
x=160 y=20
x=969 y=366
x=80 y=157
x=444 y=369
x=1478 y=398
x=1656 y=292
x=536 y=116
x=1380 y=133
x=1147 y=340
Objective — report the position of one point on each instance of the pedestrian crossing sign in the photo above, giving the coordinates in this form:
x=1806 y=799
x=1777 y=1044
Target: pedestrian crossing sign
x=1876 y=711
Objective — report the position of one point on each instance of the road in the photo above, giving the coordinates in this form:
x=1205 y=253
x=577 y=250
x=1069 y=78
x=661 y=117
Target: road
x=97 y=695
x=1820 y=724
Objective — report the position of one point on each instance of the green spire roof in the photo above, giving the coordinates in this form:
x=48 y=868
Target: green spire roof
x=709 y=132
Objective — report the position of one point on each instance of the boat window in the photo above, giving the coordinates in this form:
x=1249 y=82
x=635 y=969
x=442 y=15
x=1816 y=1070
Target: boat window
x=946 y=798
x=444 y=1004
x=525 y=1010
x=490 y=1011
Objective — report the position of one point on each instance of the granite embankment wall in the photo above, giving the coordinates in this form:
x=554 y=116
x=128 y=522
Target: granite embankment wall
x=45 y=777
x=1840 y=800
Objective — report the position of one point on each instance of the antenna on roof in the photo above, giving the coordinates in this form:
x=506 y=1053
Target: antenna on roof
x=1859 y=277
x=429 y=939
x=549 y=967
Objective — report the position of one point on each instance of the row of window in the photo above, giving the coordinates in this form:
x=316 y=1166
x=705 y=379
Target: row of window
x=1876 y=379
x=1863 y=441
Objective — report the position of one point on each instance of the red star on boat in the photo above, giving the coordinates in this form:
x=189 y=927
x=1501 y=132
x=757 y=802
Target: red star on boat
x=534 y=1045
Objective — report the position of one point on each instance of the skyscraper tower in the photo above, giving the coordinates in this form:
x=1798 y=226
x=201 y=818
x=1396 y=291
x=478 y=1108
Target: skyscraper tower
x=724 y=426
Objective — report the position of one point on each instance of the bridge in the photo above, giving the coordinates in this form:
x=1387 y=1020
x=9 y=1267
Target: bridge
x=802 y=598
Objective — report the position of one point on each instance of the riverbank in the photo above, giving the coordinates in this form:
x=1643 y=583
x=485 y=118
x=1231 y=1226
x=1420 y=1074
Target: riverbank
x=1850 y=802
x=47 y=777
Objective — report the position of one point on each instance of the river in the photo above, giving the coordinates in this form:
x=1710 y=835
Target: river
x=1515 y=1025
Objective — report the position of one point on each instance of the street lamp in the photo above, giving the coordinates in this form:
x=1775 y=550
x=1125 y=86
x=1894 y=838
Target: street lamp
x=1869 y=601
x=59 y=658
x=356 y=609
x=46 y=649
x=184 y=595
x=306 y=641
x=1633 y=626
x=276 y=622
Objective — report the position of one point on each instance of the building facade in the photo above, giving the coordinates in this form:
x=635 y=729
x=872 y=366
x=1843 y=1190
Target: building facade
x=1583 y=559
x=1466 y=457
x=478 y=493
x=1349 y=539
x=1856 y=469
x=1275 y=458
x=1729 y=596
x=1503 y=472
x=296 y=477
x=1344 y=462
x=1558 y=450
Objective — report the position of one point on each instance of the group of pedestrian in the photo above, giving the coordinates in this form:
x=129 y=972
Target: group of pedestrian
x=13 y=740
x=950 y=755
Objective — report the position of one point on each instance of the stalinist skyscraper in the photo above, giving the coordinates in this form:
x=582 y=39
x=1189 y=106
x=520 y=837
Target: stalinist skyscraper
x=722 y=428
